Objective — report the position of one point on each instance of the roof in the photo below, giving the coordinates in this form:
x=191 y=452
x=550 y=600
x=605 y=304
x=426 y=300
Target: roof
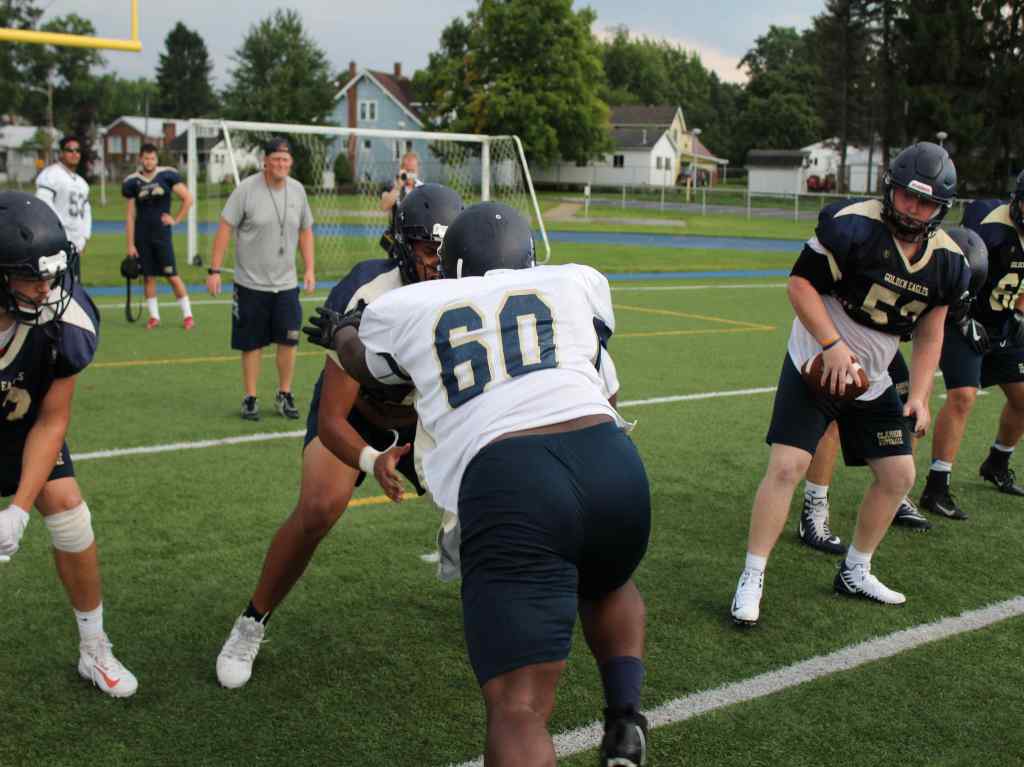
x=203 y=143
x=398 y=88
x=776 y=158
x=653 y=116
x=699 y=151
x=155 y=125
x=637 y=138
x=15 y=136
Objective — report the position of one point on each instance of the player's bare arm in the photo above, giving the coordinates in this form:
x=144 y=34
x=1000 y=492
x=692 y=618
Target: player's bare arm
x=186 y=202
x=923 y=362
x=337 y=397
x=44 y=441
x=129 y=228
x=810 y=309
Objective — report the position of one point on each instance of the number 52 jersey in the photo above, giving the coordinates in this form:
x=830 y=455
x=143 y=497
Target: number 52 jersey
x=513 y=350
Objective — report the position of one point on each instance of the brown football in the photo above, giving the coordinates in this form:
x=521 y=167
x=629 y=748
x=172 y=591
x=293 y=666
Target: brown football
x=812 y=377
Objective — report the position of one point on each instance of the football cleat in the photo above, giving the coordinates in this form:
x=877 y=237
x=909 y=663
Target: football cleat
x=97 y=664
x=234 y=664
x=941 y=501
x=813 y=528
x=152 y=322
x=746 y=602
x=188 y=323
x=250 y=409
x=909 y=516
x=285 y=404
x=625 y=739
x=857 y=581
x=1002 y=477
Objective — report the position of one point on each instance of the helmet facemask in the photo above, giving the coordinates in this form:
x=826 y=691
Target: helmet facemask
x=404 y=252
x=58 y=270
x=908 y=228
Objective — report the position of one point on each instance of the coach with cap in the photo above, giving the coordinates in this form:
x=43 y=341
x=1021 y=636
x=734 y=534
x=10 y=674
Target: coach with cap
x=269 y=215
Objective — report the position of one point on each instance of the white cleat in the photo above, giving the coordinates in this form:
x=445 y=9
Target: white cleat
x=97 y=663
x=234 y=664
x=746 y=604
x=857 y=581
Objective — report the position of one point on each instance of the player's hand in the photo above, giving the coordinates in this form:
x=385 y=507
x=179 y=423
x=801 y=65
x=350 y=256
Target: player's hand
x=133 y=251
x=327 y=322
x=213 y=284
x=1015 y=328
x=167 y=219
x=13 y=521
x=975 y=334
x=838 y=363
x=385 y=469
x=918 y=409
x=309 y=281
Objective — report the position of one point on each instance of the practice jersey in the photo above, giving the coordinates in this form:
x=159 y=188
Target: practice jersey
x=37 y=355
x=871 y=291
x=68 y=194
x=490 y=355
x=152 y=199
x=991 y=220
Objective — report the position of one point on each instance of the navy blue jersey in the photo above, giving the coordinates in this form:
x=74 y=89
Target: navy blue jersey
x=991 y=220
x=152 y=198
x=854 y=257
x=36 y=356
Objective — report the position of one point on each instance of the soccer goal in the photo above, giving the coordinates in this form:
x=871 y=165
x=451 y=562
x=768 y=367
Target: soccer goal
x=345 y=171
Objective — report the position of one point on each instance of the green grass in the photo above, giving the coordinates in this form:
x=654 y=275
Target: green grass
x=366 y=662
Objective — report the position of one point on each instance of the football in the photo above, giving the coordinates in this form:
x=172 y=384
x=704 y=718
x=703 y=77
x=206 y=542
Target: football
x=812 y=371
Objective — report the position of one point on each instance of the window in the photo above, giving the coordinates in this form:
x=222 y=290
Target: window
x=3 y=162
x=115 y=145
x=398 y=149
x=658 y=163
x=368 y=111
x=619 y=161
x=134 y=144
x=408 y=146
x=367 y=145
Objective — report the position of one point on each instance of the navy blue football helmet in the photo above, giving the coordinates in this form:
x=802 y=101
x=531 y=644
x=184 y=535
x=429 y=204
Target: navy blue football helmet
x=488 y=235
x=424 y=215
x=925 y=170
x=1017 y=202
x=34 y=246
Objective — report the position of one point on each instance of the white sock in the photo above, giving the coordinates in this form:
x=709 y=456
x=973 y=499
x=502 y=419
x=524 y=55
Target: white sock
x=1001 y=447
x=754 y=562
x=854 y=558
x=938 y=465
x=812 y=490
x=90 y=624
x=153 y=307
x=186 y=307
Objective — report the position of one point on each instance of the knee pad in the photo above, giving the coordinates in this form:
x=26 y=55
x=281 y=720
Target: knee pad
x=71 y=530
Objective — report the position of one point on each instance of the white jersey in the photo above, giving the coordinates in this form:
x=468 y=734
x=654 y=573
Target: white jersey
x=68 y=194
x=491 y=355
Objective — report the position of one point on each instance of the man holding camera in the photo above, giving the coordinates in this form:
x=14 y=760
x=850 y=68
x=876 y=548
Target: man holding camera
x=408 y=178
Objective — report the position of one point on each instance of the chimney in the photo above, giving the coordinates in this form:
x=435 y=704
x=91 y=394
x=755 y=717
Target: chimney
x=398 y=70
x=170 y=131
x=351 y=70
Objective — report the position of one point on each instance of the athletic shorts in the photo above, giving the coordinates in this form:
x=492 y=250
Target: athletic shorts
x=262 y=317
x=962 y=366
x=900 y=375
x=10 y=470
x=546 y=520
x=374 y=436
x=867 y=430
x=156 y=255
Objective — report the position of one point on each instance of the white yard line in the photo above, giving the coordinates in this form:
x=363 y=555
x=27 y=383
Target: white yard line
x=818 y=667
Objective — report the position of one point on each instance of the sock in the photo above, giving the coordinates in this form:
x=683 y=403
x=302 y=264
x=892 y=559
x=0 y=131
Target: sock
x=943 y=466
x=90 y=624
x=153 y=307
x=999 y=455
x=186 y=306
x=754 y=562
x=854 y=558
x=256 y=615
x=812 y=490
x=622 y=678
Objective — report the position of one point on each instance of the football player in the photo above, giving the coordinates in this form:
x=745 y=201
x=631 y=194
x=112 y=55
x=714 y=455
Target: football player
x=990 y=352
x=550 y=493
x=48 y=334
x=68 y=193
x=343 y=421
x=149 y=227
x=873 y=271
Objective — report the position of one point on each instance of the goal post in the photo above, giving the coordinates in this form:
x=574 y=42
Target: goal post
x=345 y=170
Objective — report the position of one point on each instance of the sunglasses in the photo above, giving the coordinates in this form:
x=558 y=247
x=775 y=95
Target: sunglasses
x=72 y=150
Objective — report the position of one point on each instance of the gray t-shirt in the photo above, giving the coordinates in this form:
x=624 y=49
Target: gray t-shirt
x=264 y=248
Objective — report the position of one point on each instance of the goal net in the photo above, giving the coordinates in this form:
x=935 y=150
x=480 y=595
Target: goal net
x=345 y=171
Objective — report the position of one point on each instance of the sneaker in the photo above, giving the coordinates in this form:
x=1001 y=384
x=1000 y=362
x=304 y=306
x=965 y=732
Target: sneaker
x=188 y=323
x=97 y=664
x=908 y=515
x=151 y=323
x=625 y=739
x=1002 y=477
x=857 y=581
x=234 y=664
x=285 y=403
x=813 y=527
x=941 y=501
x=250 y=409
x=746 y=603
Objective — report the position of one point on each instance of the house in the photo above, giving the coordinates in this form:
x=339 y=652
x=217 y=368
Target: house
x=123 y=138
x=777 y=171
x=863 y=167
x=25 y=150
x=694 y=158
x=213 y=155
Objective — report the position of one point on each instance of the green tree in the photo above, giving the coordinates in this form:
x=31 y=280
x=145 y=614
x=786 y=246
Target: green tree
x=183 y=76
x=16 y=14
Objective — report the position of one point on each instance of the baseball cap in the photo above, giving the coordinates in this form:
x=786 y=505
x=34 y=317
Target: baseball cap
x=277 y=144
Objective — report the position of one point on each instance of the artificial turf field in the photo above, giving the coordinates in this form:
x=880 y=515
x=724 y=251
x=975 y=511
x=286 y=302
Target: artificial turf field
x=365 y=662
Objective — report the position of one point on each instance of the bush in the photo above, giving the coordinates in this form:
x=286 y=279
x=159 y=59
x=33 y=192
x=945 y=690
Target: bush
x=342 y=170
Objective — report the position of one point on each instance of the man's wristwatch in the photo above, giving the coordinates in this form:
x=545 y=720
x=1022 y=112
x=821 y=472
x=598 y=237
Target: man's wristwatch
x=213 y=271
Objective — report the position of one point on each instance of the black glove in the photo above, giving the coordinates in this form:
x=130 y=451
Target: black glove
x=975 y=333
x=1015 y=328
x=328 y=322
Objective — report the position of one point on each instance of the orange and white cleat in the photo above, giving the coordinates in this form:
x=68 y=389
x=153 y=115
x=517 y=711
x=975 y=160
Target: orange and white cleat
x=188 y=323
x=152 y=323
x=97 y=663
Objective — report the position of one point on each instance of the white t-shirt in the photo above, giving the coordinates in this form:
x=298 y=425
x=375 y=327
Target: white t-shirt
x=491 y=355
x=68 y=194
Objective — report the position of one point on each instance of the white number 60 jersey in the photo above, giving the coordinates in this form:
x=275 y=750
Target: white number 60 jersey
x=490 y=355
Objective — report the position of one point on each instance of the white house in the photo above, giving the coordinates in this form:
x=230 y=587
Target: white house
x=861 y=175
x=777 y=171
x=219 y=168
x=641 y=157
x=22 y=154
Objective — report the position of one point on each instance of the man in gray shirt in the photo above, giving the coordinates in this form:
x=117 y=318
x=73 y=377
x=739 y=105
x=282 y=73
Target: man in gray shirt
x=269 y=215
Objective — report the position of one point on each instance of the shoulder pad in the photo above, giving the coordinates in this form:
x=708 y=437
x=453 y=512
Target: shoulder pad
x=844 y=223
x=79 y=334
x=362 y=273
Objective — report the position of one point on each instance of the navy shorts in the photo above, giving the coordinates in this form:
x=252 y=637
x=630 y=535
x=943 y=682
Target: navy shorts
x=156 y=255
x=867 y=430
x=374 y=436
x=262 y=317
x=962 y=366
x=546 y=520
x=10 y=470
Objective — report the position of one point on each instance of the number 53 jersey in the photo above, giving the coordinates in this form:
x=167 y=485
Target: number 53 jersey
x=513 y=350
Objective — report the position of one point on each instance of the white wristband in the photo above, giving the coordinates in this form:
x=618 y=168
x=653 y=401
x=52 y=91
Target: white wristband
x=367 y=458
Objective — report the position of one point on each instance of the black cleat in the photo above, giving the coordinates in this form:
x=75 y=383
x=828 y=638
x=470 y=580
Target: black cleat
x=250 y=409
x=285 y=404
x=908 y=515
x=941 y=501
x=625 y=739
x=813 y=527
x=1003 y=478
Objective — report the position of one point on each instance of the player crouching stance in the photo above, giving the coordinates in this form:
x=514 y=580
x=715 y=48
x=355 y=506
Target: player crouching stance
x=48 y=334
x=551 y=495
x=874 y=271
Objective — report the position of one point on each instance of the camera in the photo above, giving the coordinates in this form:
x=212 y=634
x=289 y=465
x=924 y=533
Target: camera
x=406 y=175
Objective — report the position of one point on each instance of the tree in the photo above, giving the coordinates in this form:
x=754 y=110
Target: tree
x=529 y=67
x=183 y=76
x=16 y=14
